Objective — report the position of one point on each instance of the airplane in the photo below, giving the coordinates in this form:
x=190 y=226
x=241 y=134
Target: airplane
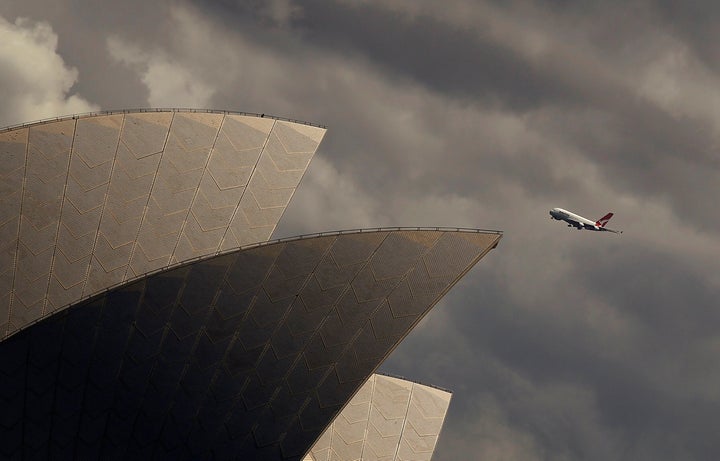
x=581 y=223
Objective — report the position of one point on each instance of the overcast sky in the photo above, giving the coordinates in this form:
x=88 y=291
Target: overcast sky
x=559 y=345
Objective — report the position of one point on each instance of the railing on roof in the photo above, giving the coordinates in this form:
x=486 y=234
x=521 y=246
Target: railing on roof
x=250 y=246
x=396 y=376
x=187 y=262
x=146 y=110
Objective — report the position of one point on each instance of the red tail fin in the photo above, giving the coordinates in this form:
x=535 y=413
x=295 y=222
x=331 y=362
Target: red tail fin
x=604 y=220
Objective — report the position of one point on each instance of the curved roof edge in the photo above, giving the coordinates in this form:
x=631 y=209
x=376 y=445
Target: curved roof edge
x=256 y=245
x=153 y=109
x=270 y=343
x=95 y=200
x=405 y=378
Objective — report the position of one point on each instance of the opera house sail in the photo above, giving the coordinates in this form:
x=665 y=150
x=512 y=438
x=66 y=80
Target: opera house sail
x=146 y=314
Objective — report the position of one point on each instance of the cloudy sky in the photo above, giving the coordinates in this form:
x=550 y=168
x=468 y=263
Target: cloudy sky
x=559 y=345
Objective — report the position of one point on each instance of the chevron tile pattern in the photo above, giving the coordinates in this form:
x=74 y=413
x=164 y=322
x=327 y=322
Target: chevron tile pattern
x=287 y=154
x=245 y=355
x=90 y=202
x=46 y=170
x=13 y=146
x=389 y=419
x=94 y=147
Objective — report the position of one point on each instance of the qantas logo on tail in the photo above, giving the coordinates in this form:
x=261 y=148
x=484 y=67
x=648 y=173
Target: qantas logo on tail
x=604 y=220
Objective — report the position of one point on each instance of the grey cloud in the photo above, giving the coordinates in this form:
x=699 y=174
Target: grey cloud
x=459 y=63
x=82 y=28
x=695 y=23
x=631 y=405
x=639 y=146
x=668 y=295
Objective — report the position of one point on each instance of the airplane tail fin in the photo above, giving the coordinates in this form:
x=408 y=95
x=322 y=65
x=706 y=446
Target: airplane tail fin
x=604 y=220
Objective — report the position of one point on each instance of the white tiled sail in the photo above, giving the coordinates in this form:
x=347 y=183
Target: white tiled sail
x=250 y=354
x=89 y=202
x=388 y=419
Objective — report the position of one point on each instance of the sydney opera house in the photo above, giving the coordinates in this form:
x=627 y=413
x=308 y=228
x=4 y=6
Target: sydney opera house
x=146 y=314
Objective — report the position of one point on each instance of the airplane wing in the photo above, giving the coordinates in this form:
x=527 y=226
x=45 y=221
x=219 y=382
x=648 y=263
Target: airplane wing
x=603 y=221
x=611 y=230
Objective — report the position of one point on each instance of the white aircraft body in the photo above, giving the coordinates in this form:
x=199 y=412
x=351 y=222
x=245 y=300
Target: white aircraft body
x=580 y=223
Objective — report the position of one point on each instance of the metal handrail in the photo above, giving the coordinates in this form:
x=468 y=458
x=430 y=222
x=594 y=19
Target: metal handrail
x=396 y=376
x=250 y=246
x=187 y=262
x=151 y=110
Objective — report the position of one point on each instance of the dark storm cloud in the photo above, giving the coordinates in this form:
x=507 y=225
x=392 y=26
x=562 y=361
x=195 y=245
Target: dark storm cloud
x=696 y=24
x=461 y=63
x=630 y=395
x=457 y=62
x=638 y=146
x=665 y=293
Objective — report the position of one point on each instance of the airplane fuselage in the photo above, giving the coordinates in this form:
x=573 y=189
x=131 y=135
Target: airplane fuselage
x=571 y=218
x=580 y=222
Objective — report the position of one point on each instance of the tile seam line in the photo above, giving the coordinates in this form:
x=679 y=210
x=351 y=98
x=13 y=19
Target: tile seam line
x=46 y=298
x=197 y=190
x=11 y=301
x=404 y=423
x=147 y=202
x=88 y=270
x=221 y=243
x=373 y=377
